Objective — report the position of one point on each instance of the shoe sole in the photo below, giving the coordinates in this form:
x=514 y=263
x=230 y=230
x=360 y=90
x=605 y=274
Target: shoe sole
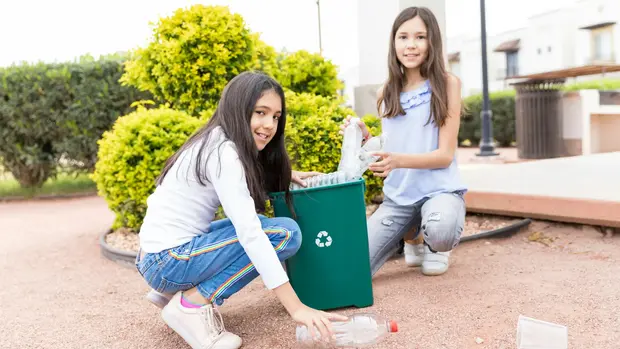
x=433 y=272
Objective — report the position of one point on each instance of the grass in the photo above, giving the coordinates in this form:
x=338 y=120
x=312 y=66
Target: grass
x=63 y=184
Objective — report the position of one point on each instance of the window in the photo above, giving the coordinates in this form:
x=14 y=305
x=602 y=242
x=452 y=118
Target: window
x=601 y=42
x=602 y=49
x=512 y=63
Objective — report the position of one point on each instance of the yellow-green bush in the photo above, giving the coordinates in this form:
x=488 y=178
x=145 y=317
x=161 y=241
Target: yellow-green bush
x=132 y=155
x=302 y=71
x=265 y=56
x=313 y=141
x=192 y=56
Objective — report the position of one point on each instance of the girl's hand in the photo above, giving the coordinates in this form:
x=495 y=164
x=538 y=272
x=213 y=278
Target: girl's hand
x=315 y=318
x=362 y=125
x=298 y=177
x=387 y=163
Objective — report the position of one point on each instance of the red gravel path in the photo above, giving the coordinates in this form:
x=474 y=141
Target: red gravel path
x=59 y=292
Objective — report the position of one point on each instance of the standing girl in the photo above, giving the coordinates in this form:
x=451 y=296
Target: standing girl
x=234 y=160
x=420 y=106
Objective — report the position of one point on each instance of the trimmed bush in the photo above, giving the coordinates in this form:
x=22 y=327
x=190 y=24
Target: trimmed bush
x=503 y=108
x=265 y=57
x=53 y=111
x=599 y=84
x=132 y=155
x=304 y=72
x=192 y=56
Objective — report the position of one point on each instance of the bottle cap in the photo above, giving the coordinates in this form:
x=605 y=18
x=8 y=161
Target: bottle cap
x=393 y=326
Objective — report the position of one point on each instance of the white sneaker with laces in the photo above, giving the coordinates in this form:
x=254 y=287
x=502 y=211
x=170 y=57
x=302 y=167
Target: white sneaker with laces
x=159 y=299
x=201 y=328
x=414 y=254
x=435 y=263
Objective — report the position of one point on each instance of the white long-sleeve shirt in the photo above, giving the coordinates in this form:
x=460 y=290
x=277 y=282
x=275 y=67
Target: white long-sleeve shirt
x=181 y=208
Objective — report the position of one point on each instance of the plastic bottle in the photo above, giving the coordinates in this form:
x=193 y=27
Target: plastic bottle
x=361 y=330
x=365 y=159
x=351 y=145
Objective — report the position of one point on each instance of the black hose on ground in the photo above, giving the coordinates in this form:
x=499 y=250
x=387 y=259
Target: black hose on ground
x=495 y=233
x=499 y=232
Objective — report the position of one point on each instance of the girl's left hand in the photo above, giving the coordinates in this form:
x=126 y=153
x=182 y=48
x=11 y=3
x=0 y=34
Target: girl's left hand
x=385 y=165
x=298 y=177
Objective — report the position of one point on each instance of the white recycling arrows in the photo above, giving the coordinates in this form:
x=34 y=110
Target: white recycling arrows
x=328 y=239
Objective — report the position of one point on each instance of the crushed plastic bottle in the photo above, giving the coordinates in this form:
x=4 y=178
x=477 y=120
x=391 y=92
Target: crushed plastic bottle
x=351 y=145
x=361 y=330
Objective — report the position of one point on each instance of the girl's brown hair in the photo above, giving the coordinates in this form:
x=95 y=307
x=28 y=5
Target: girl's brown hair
x=433 y=69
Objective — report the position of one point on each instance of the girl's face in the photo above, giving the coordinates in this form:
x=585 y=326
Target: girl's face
x=411 y=43
x=264 y=122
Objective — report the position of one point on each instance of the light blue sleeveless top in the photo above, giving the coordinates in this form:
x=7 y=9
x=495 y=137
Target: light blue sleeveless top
x=411 y=134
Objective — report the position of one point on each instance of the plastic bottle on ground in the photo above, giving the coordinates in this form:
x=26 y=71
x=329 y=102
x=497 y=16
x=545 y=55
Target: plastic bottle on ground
x=361 y=330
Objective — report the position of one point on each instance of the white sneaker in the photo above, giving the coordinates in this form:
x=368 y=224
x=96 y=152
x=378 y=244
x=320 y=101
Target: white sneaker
x=435 y=263
x=200 y=327
x=159 y=299
x=414 y=254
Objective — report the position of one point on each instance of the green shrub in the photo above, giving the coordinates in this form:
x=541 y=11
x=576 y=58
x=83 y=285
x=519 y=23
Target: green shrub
x=265 y=57
x=98 y=100
x=132 y=155
x=503 y=108
x=49 y=111
x=302 y=71
x=599 y=84
x=313 y=141
x=192 y=56
x=32 y=100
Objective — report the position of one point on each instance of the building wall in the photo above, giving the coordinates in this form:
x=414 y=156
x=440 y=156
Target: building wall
x=550 y=41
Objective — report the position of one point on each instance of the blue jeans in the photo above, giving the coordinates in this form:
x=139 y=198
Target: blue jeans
x=215 y=263
x=440 y=218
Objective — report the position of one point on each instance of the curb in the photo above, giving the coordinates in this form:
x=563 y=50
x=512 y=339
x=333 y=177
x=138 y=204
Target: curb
x=46 y=197
x=124 y=258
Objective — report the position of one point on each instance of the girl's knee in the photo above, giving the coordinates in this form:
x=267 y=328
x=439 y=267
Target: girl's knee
x=291 y=233
x=441 y=236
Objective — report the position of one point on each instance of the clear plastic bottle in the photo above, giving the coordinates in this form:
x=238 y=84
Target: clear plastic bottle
x=365 y=159
x=351 y=145
x=361 y=330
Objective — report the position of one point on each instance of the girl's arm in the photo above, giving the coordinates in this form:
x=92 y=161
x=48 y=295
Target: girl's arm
x=228 y=177
x=448 y=140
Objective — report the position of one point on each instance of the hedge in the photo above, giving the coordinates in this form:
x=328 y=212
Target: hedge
x=192 y=56
x=305 y=72
x=59 y=110
x=132 y=155
x=503 y=108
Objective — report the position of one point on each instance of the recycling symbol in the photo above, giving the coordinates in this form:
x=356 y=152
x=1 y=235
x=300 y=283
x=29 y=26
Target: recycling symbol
x=319 y=239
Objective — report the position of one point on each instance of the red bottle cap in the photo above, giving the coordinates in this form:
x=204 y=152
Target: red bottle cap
x=393 y=326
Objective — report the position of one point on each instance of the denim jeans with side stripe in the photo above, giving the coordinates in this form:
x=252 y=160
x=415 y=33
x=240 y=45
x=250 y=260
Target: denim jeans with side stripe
x=215 y=263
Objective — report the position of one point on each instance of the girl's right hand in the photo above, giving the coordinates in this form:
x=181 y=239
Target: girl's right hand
x=362 y=125
x=316 y=318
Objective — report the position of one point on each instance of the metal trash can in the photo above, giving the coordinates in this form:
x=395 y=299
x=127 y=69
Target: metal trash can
x=332 y=267
x=538 y=121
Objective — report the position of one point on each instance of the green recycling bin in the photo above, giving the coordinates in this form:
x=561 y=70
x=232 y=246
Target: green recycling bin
x=332 y=268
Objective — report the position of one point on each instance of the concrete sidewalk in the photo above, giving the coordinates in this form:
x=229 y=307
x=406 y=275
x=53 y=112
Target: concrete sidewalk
x=580 y=189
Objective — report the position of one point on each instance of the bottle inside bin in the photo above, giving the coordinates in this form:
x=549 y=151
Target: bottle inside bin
x=359 y=331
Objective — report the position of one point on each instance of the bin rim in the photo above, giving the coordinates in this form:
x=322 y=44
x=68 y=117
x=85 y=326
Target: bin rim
x=321 y=188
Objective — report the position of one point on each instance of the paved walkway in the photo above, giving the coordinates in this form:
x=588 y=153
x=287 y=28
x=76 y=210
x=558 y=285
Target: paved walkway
x=582 y=189
x=59 y=292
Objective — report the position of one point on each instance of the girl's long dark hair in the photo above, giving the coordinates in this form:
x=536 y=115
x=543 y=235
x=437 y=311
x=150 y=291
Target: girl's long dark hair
x=268 y=170
x=433 y=69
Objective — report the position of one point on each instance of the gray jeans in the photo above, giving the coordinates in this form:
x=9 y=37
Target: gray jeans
x=440 y=218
